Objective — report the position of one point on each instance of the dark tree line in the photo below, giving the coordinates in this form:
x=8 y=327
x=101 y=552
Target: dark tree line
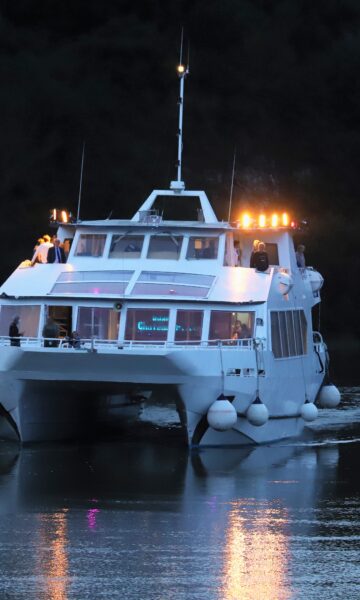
x=277 y=80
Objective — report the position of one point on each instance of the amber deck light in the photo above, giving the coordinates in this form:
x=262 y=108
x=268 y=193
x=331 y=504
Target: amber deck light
x=245 y=219
x=285 y=219
x=262 y=220
x=274 y=220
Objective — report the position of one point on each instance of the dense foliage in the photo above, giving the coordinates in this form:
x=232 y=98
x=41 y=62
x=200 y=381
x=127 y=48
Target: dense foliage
x=277 y=80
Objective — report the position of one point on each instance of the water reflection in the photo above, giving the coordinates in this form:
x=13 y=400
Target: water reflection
x=155 y=522
x=52 y=564
x=256 y=553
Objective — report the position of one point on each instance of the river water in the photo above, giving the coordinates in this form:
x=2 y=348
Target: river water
x=151 y=521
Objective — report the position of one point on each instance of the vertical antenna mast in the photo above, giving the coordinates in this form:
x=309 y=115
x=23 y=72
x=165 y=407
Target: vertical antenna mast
x=182 y=71
x=232 y=185
x=81 y=180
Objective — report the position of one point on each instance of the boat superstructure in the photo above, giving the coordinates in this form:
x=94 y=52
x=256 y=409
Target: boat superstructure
x=157 y=301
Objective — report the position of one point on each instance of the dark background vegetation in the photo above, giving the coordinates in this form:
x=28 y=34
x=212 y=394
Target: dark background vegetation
x=278 y=80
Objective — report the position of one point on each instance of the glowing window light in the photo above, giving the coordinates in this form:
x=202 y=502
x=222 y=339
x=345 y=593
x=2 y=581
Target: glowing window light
x=246 y=221
x=64 y=216
x=262 y=220
x=285 y=219
x=274 y=220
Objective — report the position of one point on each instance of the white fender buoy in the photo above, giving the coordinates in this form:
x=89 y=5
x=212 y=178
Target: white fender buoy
x=329 y=396
x=316 y=280
x=309 y=412
x=221 y=414
x=285 y=282
x=257 y=414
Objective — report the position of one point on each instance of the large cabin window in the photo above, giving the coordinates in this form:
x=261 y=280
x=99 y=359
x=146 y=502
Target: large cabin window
x=90 y=244
x=227 y=325
x=96 y=322
x=202 y=248
x=288 y=333
x=165 y=247
x=29 y=319
x=147 y=325
x=188 y=325
x=126 y=246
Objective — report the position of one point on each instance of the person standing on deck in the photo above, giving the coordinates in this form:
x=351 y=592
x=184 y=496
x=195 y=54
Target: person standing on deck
x=14 y=333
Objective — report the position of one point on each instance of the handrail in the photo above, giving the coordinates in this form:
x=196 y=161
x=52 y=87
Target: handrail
x=93 y=344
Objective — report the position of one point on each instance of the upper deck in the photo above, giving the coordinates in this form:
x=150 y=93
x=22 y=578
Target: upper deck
x=152 y=257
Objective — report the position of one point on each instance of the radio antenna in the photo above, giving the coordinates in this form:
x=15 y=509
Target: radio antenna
x=232 y=185
x=182 y=71
x=81 y=180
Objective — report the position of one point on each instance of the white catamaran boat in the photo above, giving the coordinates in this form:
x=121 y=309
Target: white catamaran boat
x=166 y=309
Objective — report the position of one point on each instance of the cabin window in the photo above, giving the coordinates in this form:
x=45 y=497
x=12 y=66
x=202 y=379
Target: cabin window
x=126 y=246
x=90 y=244
x=288 y=333
x=165 y=247
x=202 y=248
x=147 y=325
x=272 y=252
x=96 y=322
x=29 y=319
x=188 y=325
x=227 y=325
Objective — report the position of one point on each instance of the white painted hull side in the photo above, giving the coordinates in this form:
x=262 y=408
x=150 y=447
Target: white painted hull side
x=52 y=393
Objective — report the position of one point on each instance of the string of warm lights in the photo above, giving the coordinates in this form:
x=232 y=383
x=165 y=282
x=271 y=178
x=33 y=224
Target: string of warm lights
x=263 y=221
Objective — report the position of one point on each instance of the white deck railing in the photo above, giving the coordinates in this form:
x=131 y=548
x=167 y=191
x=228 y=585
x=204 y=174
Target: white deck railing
x=53 y=344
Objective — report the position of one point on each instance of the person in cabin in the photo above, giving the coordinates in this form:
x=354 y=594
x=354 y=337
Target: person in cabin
x=75 y=340
x=14 y=333
x=245 y=331
x=259 y=259
x=209 y=249
x=237 y=331
x=254 y=249
x=41 y=252
x=56 y=253
x=300 y=256
x=50 y=330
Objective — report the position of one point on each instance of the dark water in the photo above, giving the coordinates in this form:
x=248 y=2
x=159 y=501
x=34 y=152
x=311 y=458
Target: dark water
x=151 y=521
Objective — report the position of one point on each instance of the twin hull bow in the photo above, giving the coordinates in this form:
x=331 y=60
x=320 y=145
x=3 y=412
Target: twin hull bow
x=57 y=393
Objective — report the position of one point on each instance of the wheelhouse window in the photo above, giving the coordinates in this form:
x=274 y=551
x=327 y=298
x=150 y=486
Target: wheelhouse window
x=96 y=322
x=126 y=246
x=227 y=325
x=188 y=325
x=29 y=319
x=90 y=244
x=288 y=333
x=273 y=253
x=147 y=325
x=165 y=247
x=202 y=248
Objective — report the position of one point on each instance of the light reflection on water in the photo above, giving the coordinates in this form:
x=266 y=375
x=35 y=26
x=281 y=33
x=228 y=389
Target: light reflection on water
x=151 y=521
x=256 y=553
x=52 y=564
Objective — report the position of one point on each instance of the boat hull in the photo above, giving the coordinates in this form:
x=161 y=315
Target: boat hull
x=54 y=394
